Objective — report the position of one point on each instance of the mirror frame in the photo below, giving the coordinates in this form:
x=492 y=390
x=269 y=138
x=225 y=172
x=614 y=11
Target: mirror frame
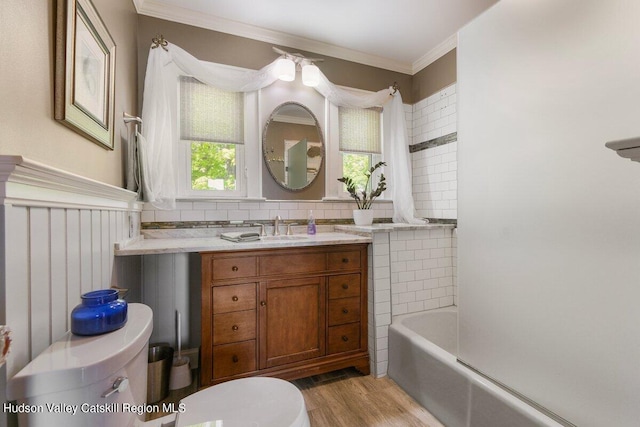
x=264 y=145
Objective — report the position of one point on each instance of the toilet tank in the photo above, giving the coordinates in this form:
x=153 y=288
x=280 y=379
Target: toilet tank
x=64 y=385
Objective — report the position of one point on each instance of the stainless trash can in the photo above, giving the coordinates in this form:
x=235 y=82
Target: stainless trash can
x=158 y=371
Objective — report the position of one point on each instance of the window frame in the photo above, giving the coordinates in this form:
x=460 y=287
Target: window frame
x=334 y=189
x=248 y=168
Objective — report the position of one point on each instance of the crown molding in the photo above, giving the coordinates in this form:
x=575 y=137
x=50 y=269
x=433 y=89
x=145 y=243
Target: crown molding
x=181 y=15
x=24 y=182
x=436 y=53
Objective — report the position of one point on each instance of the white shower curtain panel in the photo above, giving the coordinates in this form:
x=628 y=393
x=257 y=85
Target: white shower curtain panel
x=157 y=154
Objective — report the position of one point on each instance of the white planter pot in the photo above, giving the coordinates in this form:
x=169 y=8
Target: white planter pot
x=363 y=216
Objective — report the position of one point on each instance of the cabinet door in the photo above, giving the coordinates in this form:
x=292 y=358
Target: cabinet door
x=292 y=320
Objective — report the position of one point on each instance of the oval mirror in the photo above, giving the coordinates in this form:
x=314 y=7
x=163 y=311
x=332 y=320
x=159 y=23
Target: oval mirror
x=292 y=146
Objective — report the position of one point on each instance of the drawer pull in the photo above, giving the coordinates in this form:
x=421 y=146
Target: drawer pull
x=345 y=260
x=235 y=327
x=235 y=359
x=263 y=303
x=234 y=268
x=345 y=338
x=345 y=311
x=345 y=286
x=234 y=298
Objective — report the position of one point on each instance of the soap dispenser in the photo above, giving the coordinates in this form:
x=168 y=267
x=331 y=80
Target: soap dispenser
x=311 y=224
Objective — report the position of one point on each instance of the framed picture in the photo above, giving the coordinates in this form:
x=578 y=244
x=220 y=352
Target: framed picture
x=85 y=72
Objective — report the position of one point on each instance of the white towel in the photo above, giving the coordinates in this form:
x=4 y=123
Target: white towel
x=240 y=237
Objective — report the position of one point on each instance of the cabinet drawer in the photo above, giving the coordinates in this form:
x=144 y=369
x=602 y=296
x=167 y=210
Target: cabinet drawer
x=233 y=359
x=345 y=260
x=233 y=268
x=344 y=286
x=344 y=338
x=344 y=310
x=292 y=263
x=234 y=298
x=234 y=327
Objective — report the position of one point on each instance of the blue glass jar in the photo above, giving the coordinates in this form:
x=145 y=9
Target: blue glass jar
x=100 y=312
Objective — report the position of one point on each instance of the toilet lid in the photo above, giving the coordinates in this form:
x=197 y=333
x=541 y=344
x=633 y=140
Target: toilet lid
x=246 y=402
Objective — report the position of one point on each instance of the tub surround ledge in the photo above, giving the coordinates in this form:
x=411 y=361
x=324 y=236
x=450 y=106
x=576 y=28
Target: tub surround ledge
x=391 y=227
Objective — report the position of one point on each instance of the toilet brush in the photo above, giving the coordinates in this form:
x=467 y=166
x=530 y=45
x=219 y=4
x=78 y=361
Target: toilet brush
x=180 y=371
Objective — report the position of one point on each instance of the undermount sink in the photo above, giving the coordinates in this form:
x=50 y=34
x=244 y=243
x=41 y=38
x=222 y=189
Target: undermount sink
x=283 y=237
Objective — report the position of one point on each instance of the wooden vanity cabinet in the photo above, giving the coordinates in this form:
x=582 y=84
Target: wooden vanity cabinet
x=286 y=313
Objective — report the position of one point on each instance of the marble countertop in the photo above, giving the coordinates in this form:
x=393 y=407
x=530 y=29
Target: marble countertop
x=144 y=246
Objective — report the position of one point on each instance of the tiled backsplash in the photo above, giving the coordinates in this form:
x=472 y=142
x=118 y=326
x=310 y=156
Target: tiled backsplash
x=260 y=211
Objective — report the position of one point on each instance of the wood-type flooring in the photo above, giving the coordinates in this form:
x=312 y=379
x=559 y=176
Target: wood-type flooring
x=347 y=398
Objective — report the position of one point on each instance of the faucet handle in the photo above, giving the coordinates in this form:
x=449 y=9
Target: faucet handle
x=289 y=232
x=262 y=232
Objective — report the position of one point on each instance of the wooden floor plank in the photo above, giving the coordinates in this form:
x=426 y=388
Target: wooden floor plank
x=352 y=400
x=347 y=398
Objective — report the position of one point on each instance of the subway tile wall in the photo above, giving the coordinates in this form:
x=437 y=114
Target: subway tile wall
x=409 y=271
x=435 y=116
x=259 y=211
x=435 y=182
x=379 y=304
x=421 y=270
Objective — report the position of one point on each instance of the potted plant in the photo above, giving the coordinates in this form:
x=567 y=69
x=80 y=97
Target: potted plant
x=364 y=197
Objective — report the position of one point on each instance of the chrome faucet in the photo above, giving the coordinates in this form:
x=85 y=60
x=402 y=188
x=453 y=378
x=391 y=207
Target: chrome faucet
x=276 y=224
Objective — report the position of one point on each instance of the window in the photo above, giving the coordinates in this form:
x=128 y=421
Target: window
x=212 y=139
x=360 y=141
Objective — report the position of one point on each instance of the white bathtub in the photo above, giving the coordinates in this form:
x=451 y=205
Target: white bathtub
x=422 y=348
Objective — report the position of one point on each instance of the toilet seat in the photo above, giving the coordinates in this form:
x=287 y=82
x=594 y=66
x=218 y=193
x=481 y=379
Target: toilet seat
x=246 y=402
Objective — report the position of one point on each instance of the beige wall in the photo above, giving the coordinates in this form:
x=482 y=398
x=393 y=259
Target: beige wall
x=27 y=57
x=242 y=52
x=223 y=48
x=435 y=77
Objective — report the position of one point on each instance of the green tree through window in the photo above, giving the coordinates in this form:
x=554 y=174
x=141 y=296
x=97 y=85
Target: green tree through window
x=213 y=166
x=353 y=166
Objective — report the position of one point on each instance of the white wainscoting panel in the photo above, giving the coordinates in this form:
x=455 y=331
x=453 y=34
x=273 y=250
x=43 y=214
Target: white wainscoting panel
x=57 y=235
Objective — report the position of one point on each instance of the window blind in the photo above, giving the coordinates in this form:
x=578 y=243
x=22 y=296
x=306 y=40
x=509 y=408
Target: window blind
x=209 y=114
x=360 y=130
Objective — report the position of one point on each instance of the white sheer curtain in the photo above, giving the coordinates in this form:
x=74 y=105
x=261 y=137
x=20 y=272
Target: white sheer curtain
x=157 y=151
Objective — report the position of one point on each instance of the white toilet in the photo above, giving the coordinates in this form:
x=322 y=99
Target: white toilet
x=75 y=382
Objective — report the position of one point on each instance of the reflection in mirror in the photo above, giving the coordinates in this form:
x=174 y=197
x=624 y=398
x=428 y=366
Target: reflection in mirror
x=292 y=146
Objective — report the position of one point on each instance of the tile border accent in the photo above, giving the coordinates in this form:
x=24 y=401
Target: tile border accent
x=248 y=223
x=453 y=221
x=436 y=142
x=220 y=224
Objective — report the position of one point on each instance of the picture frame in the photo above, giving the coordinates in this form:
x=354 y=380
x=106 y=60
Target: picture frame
x=84 y=87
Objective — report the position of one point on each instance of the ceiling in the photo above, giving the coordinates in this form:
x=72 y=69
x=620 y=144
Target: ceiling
x=403 y=36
